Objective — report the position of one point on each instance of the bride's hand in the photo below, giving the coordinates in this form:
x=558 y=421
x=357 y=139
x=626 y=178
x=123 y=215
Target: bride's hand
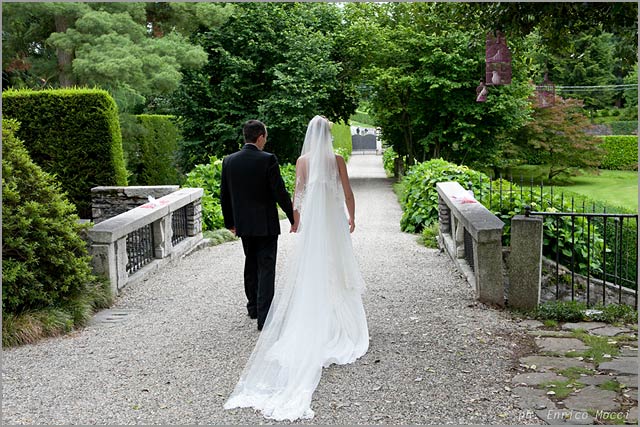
x=352 y=225
x=294 y=227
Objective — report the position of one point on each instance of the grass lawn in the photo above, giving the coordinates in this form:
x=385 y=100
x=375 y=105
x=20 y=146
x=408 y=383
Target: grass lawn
x=615 y=188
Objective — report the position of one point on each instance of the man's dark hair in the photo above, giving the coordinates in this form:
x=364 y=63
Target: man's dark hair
x=253 y=129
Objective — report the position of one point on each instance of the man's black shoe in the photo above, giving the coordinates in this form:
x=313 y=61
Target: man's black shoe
x=253 y=315
x=260 y=327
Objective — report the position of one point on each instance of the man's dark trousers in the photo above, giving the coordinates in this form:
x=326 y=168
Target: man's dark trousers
x=259 y=274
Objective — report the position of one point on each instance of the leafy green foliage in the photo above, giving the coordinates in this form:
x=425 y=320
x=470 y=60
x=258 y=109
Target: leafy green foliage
x=561 y=311
x=621 y=152
x=420 y=199
x=73 y=134
x=45 y=261
x=420 y=56
x=150 y=146
x=558 y=131
x=207 y=176
x=388 y=160
x=104 y=44
x=278 y=63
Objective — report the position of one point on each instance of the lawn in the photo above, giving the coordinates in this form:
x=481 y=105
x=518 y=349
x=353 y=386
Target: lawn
x=615 y=188
x=618 y=188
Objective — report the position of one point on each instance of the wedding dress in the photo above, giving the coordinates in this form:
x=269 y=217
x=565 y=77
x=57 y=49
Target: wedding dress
x=316 y=317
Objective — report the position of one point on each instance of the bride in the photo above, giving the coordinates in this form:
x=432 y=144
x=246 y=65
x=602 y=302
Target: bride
x=317 y=317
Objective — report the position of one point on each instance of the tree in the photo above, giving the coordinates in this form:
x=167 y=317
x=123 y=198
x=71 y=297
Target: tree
x=274 y=62
x=559 y=131
x=424 y=72
x=99 y=44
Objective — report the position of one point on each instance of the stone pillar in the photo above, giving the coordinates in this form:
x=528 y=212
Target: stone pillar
x=121 y=263
x=524 y=264
x=103 y=261
x=194 y=218
x=162 y=233
x=487 y=259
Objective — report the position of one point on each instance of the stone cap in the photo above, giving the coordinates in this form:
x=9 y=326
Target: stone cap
x=112 y=229
x=483 y=225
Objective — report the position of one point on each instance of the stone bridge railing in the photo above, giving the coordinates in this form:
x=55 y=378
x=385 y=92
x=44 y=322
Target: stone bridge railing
x=127 y=247
x=472 y=236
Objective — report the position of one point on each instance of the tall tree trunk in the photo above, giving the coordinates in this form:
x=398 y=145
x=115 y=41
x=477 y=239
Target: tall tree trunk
x=64 y=58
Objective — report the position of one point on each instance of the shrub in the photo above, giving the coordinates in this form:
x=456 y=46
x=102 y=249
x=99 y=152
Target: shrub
x=420 y=199
x=46 y=275
x=288 y=172
x=621 y=152
x=388 y=160
x=73 y=134
x=207 y=177
x=150 y=145
x=561 y=311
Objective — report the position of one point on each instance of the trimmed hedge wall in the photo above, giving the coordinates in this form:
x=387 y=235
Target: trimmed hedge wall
x=73 y=134
x=150 y=145
x=621 y=152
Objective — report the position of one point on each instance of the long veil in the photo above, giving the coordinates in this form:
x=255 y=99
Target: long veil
x=316 y=317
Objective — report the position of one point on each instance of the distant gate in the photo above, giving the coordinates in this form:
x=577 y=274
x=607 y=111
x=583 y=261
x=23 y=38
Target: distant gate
x=363 y=142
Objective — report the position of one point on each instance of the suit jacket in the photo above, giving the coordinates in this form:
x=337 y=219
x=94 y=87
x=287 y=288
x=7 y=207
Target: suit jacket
x=250 y=187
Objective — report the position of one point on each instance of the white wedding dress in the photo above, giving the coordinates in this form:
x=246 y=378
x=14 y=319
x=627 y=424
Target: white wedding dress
x=316 y=317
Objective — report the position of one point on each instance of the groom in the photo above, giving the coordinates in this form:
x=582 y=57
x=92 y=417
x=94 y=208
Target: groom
x=250 y=187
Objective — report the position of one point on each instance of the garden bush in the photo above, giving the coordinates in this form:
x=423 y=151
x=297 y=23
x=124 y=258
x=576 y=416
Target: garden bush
x=46 y=271
x=420 y=199
x=150 y=146
x=73 y=134
x=207 y=176
x=388 y=160
x=621 y=152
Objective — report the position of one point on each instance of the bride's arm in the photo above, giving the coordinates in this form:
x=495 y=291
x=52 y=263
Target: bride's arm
x=348 y=192
x=301 y=180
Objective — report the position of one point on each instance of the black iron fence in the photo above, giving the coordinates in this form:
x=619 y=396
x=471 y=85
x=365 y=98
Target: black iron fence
x=140 y=248
x=179 y=226
x=595 y=252
x=599 y=253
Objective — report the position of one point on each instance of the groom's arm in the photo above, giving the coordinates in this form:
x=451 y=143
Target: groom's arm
x=225 y=199
x=278 y=189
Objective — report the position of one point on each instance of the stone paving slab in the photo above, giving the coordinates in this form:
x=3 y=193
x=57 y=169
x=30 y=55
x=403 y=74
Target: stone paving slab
x=531 y=324
x=560 y=345
x=595 y=379
x=621 y=366
x=587 y=326
x=630 y=381
x=593 y=398
x=533 y=398
x=548 y=363
x=609 y=331
x=536 y=378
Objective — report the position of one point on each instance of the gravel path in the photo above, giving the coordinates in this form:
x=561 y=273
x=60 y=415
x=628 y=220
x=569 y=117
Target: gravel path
x=436 y=356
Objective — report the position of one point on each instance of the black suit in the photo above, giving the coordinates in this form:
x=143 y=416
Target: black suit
x=250 y=187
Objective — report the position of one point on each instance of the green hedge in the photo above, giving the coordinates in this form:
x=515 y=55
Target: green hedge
x=621 y=152
x=44 y=259
x=73 y=134
x=150 y=146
